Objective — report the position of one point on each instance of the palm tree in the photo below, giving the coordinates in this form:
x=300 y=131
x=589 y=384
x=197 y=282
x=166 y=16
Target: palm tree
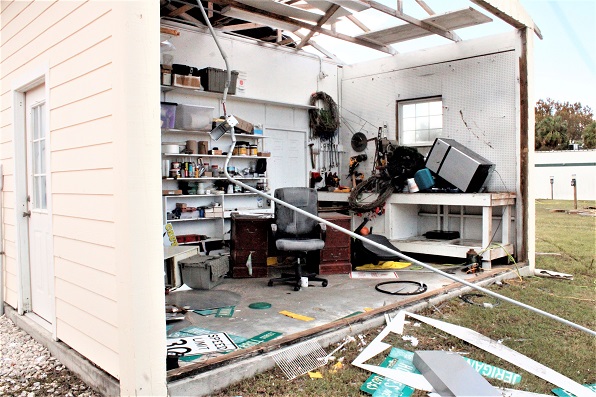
x=551 y=133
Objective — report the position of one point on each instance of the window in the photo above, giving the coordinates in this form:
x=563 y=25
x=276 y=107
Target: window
x=39 y=157
x=419 y=121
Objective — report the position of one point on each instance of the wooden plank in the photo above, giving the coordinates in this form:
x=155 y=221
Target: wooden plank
x=95 y=328
x=96 y=352
x=510 y=11
x=91 y=108
x=86 y=85
x=79 y=291
x=425 y=7
x=524 y=150
x=301 y=24
x=240 y=26
x=179 y=11
x=170 y=31
x=320 y=23
x=444 y=23
x=93 y=132
x=4 y=4
x=89 y=254
x=358 y=23
x=321 y=330
x=88 y=206
x=84 y=182
x=102 y=233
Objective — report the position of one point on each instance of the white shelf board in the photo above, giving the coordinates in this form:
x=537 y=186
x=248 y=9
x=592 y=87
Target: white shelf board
x=454 y=248
x=192 y=219
x=212 y=155
x=206 y=132
x=208 y=178
x=192 y=91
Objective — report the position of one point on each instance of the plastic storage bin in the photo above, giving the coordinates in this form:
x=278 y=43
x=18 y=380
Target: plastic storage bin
x=214 y=80
x=204 y=272
x=194 y=117
x=168 y=114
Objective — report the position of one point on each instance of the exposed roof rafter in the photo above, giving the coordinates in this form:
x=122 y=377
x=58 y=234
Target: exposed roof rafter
x=321 y=22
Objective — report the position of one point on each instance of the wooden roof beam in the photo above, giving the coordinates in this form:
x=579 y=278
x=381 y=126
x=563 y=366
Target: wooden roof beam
x=406 y=18
x=180 y=11
x=425 y=7
x=358 y=23
x=510 y=11
x=282 y=18
x=240 y=26
x=321 y=22
x=322 y=50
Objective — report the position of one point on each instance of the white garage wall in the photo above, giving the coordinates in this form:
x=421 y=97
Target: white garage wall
x=561 y=165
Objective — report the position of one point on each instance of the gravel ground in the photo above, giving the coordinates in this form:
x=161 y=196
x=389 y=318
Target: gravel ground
x=27 y=369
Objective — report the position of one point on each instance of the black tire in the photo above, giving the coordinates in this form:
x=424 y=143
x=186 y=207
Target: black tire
x=324 y=283
x=296 y=288
x=270 y=283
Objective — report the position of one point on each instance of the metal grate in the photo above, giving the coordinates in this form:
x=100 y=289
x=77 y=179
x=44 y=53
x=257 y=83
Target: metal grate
x=300 y=359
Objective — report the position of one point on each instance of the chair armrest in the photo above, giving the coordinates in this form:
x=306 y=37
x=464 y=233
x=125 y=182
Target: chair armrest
x=273 y=229
x=323 y=231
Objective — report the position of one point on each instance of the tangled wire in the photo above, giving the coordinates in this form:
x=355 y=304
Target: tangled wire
x=386 y=189
x=402 y=163
x=324 y=122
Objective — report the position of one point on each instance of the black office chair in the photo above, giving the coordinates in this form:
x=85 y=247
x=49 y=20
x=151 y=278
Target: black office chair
x=296 y=234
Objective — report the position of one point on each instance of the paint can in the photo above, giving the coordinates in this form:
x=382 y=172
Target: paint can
x=412 y=186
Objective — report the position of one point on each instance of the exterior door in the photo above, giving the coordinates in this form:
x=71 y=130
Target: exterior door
x=40 y=236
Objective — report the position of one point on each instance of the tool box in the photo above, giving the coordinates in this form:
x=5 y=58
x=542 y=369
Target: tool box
x=203 y=271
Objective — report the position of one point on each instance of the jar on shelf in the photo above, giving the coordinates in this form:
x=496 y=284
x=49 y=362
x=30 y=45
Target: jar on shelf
x=253 y=150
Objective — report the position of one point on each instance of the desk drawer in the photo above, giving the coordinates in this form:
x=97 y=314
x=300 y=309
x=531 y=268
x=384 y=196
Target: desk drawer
x=336 y=254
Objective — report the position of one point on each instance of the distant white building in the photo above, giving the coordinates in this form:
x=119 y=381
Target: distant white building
x=561 y=167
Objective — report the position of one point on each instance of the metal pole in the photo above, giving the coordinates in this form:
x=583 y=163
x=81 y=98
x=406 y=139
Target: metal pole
x=574 y=184
x=552 y=189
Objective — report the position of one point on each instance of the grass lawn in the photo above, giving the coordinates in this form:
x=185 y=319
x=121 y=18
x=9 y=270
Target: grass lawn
x=565 y=243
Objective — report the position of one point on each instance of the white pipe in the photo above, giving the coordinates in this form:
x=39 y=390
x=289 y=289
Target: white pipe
x=357 y=236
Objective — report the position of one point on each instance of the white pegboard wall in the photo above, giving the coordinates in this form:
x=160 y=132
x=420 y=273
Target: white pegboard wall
x=479 y=99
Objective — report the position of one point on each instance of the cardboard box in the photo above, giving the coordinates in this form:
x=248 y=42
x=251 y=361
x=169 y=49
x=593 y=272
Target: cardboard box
x=244 y=126
x=186 y=81
x=171 y=192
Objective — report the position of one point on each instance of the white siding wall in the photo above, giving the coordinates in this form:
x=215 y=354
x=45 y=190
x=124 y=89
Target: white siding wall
x=73 y=40
x=105 y=272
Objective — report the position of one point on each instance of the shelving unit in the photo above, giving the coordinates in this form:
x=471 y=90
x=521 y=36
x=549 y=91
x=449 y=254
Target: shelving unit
x=215 y=226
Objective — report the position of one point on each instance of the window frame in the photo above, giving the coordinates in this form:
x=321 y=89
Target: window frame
x=398 y=110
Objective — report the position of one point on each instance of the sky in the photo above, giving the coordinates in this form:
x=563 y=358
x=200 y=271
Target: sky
x=564 y=61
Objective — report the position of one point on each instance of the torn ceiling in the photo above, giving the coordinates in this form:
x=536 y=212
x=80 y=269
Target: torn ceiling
x=294 y=23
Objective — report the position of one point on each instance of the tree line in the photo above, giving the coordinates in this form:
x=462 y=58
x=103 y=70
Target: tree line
x=559 y=124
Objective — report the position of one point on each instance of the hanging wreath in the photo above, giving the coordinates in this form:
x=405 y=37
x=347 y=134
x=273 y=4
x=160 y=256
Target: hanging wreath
x=324 y=122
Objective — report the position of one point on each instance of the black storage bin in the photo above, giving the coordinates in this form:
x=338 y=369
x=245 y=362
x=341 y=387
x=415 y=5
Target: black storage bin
x=184 y=70
x=214 y=80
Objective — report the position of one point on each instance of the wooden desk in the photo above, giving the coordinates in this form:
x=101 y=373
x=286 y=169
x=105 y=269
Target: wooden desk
x=177 y=253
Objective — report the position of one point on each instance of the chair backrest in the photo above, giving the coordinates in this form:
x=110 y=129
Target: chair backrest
x=291 y=223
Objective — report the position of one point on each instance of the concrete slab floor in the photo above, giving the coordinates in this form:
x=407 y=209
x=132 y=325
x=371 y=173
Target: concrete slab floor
x=343 y=296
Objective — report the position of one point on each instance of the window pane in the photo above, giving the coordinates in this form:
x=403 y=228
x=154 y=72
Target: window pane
x=42 y=121
x=42 y=192
x=408 y=110
x=422 y=136
x=435 y=122
x=408 y=125
x=422 y=123
x=433 y=134
x=42 y=156
x=35 y=122
x=408 y=137
x=422 y=109
x=36 y=158
x=436 y=108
